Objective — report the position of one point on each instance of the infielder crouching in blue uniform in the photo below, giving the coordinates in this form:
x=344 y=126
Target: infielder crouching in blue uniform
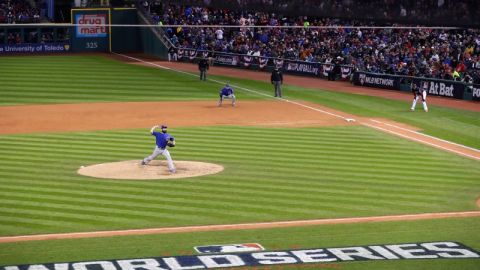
x=226 y=92
x=162 y=140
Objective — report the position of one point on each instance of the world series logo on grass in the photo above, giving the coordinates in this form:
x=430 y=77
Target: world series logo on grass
x=409 y=251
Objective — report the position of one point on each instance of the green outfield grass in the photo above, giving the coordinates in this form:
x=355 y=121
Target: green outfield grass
x=334 y=172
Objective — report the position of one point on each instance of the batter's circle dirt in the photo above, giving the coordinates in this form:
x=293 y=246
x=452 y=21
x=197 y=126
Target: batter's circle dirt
x=155 y=170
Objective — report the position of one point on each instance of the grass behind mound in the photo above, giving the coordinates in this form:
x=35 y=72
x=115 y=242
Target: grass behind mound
x=334 y=172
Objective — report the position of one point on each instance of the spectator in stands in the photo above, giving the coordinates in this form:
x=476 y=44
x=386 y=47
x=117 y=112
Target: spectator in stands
x=18 y=11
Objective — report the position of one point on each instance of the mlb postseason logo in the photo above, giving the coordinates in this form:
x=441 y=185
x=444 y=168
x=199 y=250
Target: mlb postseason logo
x=94 y=25
x=230 y=248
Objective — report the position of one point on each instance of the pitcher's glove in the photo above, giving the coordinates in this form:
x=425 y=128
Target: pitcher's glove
x=171 y=143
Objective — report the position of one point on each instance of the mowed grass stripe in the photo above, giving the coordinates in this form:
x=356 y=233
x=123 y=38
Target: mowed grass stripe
x=280 y=203
x=273 y=192
x=167 y=208
x=321 y=178
x=422 y=191
x=335 y=188
x=334 y=144
x=138 y=211
x=300 y=165
x=223 y=211
x=330 y=188
x=274 y=187
x=361 y=167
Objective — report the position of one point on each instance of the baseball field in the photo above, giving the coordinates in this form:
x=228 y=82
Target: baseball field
x=296 y=174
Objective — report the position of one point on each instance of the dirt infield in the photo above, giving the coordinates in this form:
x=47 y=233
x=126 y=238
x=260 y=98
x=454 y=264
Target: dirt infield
x=127 y=115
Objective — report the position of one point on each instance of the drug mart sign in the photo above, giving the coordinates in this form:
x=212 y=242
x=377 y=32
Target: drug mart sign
x=408 y=251
x=91 y=25
x=92 y=31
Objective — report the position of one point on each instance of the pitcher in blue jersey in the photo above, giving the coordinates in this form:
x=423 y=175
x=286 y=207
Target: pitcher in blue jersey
x=227 y=92
x=162 y=140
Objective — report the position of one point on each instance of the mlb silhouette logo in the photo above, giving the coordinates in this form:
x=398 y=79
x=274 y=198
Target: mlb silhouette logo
x=362 y=78
x=231 y=248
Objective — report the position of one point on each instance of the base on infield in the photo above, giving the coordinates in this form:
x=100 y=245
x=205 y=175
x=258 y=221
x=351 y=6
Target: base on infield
x=155 y=170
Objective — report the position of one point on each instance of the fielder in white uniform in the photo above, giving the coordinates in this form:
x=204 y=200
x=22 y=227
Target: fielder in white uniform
x=420 y=92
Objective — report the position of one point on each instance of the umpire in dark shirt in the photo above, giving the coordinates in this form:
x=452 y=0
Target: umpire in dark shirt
x=203 y=67
x=277 y=81
x=332 y=75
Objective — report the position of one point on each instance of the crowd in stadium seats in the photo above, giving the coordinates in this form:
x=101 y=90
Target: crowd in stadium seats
x=444 y=54
x=18 y=11
x=453 y=12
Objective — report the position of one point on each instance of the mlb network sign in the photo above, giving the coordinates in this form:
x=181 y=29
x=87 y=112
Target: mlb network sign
x=91 y=25
x=429 y=250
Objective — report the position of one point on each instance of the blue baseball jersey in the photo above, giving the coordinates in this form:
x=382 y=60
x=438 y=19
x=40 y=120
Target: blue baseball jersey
x=226 y=91
x=161 y=139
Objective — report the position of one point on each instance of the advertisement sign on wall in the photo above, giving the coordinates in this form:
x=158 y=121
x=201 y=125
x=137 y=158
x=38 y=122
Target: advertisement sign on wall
x=35 y=48
x=92 y=33
x=377 y=80
x=476 y=92
x=91 y=25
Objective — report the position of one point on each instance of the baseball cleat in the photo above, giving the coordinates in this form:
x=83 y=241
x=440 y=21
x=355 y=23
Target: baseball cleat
x=143 y=163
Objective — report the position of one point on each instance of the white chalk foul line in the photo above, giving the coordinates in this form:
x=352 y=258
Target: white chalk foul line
x=421 y=141
x=329 y=113
x=240 y=87
x=425 y=135
x=240 y=226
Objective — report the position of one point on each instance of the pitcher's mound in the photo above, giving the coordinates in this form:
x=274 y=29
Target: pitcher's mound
x=132 y=170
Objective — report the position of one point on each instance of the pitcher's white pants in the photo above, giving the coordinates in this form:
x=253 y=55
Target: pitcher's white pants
x=165 y=153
